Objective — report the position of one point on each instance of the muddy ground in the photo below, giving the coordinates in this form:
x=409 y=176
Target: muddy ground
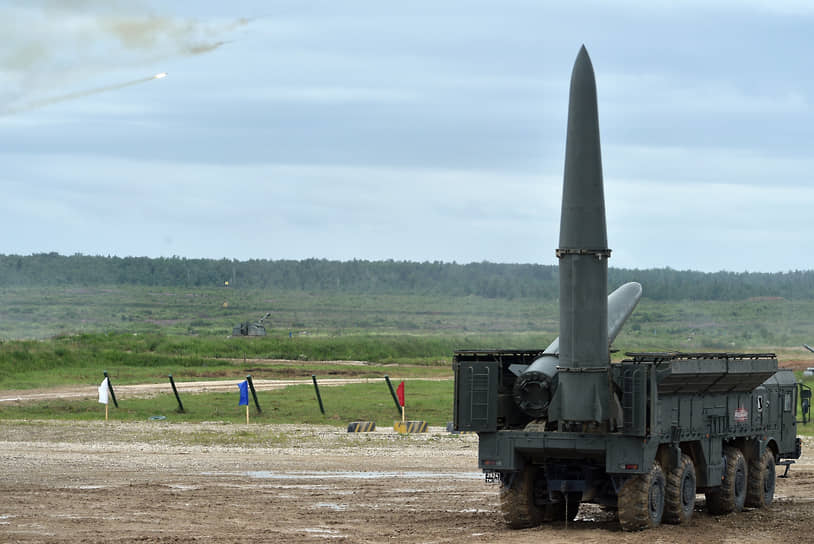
x=161 y=482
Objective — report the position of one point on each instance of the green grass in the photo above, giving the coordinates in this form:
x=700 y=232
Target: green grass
x=426 y=400
x=352 y=322
x=122 y=374
x=63 y=336
x=44 y=312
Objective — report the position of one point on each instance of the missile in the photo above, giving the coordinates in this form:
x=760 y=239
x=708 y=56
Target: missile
x=536 y=384
x=80 y=94
x=568 y=383
x=582 y=396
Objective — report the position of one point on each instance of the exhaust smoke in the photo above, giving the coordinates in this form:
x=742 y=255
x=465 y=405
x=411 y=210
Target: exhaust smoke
x=59 y=44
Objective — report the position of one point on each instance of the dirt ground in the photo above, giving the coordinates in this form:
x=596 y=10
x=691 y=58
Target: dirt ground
x=159 y=482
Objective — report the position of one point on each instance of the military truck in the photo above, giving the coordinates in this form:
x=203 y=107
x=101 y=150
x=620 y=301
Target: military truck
x=682 y=423
x=564 y=425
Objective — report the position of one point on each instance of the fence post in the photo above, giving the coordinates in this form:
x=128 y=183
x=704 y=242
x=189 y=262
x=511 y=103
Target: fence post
x=110 y=387
x=254 y=393
x=393 y=393
x=177 y=396
x=319 y=397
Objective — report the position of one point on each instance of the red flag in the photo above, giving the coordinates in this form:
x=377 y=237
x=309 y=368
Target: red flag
x=400 y=393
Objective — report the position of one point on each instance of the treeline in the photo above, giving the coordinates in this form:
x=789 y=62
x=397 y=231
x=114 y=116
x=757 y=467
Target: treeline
x=484 y=279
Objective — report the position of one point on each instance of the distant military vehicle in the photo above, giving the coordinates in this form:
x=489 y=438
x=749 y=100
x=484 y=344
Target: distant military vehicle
x=810 y=370
x=563 y=425
x=248 y=328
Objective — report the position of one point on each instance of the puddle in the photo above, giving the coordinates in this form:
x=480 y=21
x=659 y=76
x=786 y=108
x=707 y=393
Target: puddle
x=338 y=475
x=319 y=487
x=331 y=506
x=323 y=533
x=183 y=487
x=92 y=487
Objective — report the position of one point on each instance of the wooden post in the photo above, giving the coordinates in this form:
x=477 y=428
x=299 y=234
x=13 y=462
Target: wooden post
x=247 y=414
x=392 y=392
x=110 y=388
x=254 y=393
x=177 y=396
x=319 y=397
x=106 y=411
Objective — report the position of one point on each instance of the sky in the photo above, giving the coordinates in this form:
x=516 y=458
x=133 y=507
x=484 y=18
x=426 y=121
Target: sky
x=419 y=131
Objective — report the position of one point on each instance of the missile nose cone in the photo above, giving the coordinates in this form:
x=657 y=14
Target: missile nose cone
x=582 y=223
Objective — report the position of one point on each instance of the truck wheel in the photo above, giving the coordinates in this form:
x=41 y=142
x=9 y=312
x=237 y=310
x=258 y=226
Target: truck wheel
x=679 y=494
x=760 y=490
x=641 y=500
x=517 y=499
x=731 y=495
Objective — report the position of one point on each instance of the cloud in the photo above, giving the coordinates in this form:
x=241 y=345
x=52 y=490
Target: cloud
x=699 y=166
x=679 y=94
x=340 y=212
x=51 y=45
x=714 y=226
x=300 y=210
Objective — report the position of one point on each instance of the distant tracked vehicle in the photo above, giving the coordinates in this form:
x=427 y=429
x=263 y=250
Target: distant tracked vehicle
x=248 y=328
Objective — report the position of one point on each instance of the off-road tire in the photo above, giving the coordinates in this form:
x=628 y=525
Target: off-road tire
x=679 y=494
x=517 y=500
x=641 y=500
x=760 y=490
x=731 y=495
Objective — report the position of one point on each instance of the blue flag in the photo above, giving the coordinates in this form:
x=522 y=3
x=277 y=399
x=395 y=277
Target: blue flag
x=244 y=393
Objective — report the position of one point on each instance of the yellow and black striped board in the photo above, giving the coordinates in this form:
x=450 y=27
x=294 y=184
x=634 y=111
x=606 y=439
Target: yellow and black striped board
x=410 y=426
x=361 y=426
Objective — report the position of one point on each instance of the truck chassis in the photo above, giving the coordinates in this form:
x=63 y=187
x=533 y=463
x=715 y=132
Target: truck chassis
x=682 y=424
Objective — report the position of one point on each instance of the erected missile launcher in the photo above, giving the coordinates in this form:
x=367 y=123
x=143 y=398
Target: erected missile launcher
x=680 y=424
x=563 y=425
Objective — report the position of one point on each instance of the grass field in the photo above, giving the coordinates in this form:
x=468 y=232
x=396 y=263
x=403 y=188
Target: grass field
x=62 y=336
x=426 y=400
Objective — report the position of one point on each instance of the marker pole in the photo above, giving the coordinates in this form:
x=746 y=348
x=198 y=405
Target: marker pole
x=177 y=396
x=319 y=397
x=110 y=387
x=392 y=392
x=254 y=393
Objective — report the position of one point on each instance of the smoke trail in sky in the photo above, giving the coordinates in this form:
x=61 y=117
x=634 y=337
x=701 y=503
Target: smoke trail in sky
x=59 y=43
x=78 y=94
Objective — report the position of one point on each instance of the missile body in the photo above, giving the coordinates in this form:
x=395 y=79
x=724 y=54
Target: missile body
x=582 y=395
x=536 y=385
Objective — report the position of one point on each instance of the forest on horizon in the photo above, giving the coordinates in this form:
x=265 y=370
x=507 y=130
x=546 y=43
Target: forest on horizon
x=485 y=279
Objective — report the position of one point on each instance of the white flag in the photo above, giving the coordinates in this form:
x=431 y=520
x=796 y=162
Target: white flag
x=103 y=392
